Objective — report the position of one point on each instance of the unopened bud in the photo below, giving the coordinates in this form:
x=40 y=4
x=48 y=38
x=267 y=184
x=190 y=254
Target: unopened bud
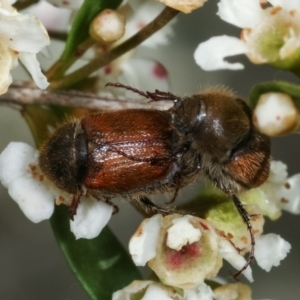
x=108 y=26
x=276 y=114
x=184 y=6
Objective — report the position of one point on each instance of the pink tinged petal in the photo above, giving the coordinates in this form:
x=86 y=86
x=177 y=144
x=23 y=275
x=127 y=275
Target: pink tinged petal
x=286 y=4
x=14 y=161
x=241 y=13
x=32 y=65
x=90 y=218
x=8 y=60
x=156 y=292
x=210 y=54
x=142 y=245
x=270 y=249
x=152 y=75
x=33 y=198
x=229 y=253
x=23 y=33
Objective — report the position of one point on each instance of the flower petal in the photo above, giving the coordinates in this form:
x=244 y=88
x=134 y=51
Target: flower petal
x=210 y=54
x=290 y=195
x=142 y=245
x=14 y=161
x=73 y=4
x=151 y=74
x=33 y=197
x=8 y=60
x=270 y=249
x=90 y=219
x=241 y=13
x=230 y=254
x=156 y=292
x=31 y=63
x=23 y=33
x=201 y=292
x=133 y=288
x=286 y=4
x=182 y=233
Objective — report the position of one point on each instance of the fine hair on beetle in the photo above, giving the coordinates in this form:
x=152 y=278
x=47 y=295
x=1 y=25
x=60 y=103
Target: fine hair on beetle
x=135 y=152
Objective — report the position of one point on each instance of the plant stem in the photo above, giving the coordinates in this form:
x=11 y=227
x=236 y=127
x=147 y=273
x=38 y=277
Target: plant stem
x=162 y=19
x=24 y=4
x=58 y=68
x=20 y=96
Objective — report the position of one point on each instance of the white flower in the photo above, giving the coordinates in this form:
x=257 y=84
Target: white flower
x=233 y=291
x=276 y=114
x=200 y=292
x=269 y=35
x=21 y=37
x=280 y=192
x=71 y=4
x=270 y=250
x=142 y=245
x=147 y=290
x=198 y=257
x=36 y=195
x=230 y=253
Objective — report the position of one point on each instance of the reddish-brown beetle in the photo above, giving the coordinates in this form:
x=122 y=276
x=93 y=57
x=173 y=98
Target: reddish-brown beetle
x=136 y=152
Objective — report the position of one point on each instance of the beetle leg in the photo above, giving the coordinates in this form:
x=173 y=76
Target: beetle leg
x=246 y=218
x=150 y=206
x=73 y=208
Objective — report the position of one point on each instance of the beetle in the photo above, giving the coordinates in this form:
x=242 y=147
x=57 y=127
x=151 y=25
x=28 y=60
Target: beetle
x=136 y=152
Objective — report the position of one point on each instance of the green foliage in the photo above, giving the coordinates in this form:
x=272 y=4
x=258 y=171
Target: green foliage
x=290 y=89
x=101 y=264
x=80 y=26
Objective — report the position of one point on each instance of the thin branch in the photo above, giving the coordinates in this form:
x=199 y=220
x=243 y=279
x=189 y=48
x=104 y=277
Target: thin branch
x=21 y=95
x=162 y=19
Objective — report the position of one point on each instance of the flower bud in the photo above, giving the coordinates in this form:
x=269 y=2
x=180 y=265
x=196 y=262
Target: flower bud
x=276 y=114
x=108 y=26
x=184 y=6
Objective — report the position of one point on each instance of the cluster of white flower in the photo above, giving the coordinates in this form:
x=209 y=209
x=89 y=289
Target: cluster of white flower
x=270 y=34
x=22 y=37
x=182 y=250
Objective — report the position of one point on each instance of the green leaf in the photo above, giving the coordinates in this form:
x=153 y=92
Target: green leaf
x=101 y=264
x=80 y=27
x=276 y=87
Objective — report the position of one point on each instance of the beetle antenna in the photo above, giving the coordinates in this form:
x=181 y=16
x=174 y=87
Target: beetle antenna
x=156 y=96
x=247 y=218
